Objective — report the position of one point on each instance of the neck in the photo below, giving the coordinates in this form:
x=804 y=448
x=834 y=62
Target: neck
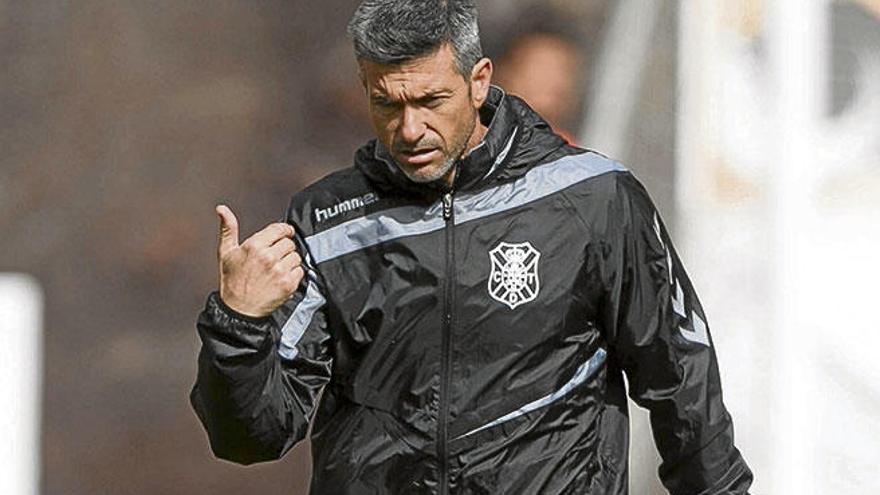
x=476 y=138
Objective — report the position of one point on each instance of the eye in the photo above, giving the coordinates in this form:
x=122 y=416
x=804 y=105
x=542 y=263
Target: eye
x=432 y=102
x=384 y=103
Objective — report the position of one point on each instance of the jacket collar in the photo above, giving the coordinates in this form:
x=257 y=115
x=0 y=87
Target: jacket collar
x=510 y=123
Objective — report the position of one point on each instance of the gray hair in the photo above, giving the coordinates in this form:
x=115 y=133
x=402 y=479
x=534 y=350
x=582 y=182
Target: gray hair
x=395 y=31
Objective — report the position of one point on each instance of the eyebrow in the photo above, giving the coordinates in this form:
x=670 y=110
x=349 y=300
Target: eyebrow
x=428 y=95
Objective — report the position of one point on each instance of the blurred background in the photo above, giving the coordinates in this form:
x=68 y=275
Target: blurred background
x=755 y=125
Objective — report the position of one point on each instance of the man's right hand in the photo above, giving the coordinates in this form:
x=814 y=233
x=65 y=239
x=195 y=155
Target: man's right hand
x=260 y=274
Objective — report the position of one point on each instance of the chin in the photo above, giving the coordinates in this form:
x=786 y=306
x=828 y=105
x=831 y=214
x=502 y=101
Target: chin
x=427 y=173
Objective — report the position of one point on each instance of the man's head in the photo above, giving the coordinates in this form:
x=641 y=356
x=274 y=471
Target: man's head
x=545 y=70
x=422 y=67
x=542 y=61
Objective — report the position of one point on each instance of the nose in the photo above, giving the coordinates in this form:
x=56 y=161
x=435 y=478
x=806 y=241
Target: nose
x=412 y=126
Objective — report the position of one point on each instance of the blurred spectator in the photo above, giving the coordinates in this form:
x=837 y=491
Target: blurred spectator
x=543 y=62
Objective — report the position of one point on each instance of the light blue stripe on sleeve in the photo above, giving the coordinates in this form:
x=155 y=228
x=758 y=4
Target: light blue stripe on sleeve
x=298 y=322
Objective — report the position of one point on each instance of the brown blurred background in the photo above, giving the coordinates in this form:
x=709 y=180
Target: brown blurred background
x=124 y=123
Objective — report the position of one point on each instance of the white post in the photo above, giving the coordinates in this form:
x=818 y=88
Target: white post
x=798 y=52
x=619 y=75
x=21 y=313
x=698 y=74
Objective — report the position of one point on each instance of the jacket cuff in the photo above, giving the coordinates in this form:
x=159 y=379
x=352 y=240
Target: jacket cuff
x=222 y=323
x=233 y=314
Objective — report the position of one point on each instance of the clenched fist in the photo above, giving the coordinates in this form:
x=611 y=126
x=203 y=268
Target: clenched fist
x=261 y=273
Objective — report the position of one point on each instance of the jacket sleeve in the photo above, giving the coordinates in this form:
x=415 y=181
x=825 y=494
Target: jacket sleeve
x=259 y=378
x=658 y=332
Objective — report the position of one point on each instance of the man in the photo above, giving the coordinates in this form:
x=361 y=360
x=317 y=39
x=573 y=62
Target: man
x=543 y=62
x=467 y=297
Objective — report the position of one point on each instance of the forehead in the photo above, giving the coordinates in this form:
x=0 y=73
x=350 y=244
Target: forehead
x=433 y=72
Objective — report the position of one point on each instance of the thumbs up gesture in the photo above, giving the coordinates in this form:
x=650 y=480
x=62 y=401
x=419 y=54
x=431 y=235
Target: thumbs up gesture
x=261 y=273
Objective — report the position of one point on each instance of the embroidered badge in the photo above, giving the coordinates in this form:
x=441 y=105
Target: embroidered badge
x=514 y=277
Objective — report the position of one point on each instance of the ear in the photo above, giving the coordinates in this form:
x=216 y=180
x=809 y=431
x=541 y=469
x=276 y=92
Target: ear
x=481 y=80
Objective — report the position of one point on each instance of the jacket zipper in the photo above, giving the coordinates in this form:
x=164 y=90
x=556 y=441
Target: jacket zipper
x=446 y=354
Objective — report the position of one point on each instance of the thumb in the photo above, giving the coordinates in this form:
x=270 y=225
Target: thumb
x=228 y=230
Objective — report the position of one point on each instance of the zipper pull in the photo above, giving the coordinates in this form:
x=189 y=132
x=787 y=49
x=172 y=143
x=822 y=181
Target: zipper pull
x=447 y=206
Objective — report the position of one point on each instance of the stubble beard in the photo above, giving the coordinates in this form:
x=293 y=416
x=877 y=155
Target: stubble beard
x=460 y=146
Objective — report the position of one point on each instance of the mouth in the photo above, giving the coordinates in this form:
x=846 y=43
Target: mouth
x=420 y=156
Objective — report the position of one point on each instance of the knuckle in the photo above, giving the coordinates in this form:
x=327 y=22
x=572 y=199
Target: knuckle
x=283 y=229
x=289 y=283
x=265 y=258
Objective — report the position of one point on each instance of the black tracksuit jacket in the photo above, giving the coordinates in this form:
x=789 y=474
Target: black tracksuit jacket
x=474 y=339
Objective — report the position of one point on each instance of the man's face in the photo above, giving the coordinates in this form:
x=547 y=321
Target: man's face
x=543 y=69
x=424 y=111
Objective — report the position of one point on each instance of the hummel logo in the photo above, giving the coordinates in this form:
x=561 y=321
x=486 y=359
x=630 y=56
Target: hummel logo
x=322 y=214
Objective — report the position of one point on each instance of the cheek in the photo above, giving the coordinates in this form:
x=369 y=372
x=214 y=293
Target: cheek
x=384 y=127
x=453 y=121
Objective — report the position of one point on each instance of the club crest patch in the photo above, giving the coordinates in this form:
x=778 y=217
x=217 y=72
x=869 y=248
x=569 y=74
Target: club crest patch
x=514 y=276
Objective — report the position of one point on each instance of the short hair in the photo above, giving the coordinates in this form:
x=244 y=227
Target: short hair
x=392 y=32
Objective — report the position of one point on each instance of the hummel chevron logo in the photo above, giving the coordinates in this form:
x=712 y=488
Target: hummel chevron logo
x=700 y=333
